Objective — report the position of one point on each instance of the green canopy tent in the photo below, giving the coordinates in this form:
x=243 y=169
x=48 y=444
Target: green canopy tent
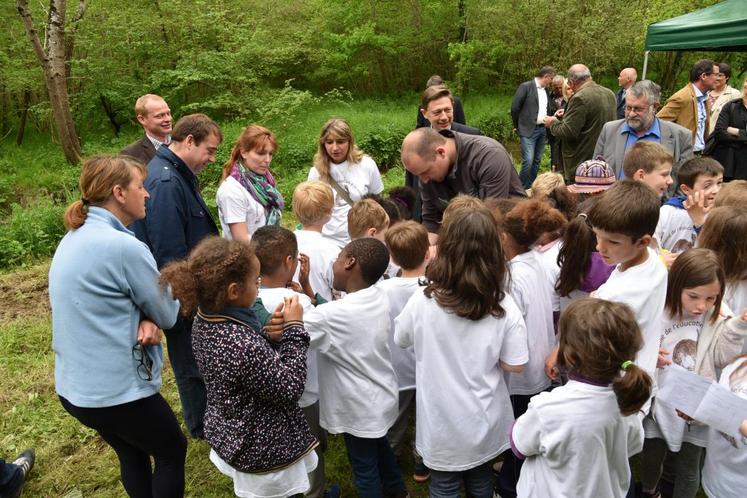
x=719 y=27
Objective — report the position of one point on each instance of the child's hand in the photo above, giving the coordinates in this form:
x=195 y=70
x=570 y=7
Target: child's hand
x=697 y=207
x=662 y=360
x=668 y=258
x=683 y=416
x=274 y=328
x=304 y=268
x=743 y=428
x=294 y=286
x=148 y=333
x=550 y=369
x=293 y=311
x=743 y=316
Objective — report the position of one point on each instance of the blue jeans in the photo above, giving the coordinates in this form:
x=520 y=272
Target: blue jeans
x=189 y=382
x=375 y=468
x=478 y=482
x=11 y=478
x=532 y=148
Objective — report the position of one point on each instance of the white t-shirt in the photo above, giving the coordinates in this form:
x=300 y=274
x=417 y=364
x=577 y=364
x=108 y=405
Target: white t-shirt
x=675 y=231
x=680 y=338
x=322 y=252
x=271 y=298
x=735 y=296
x=643 y=288
x=530 y=288
x=548 y=256
x=577 y=444
x=724 y=474
x=463 y=410
x=357 y=384
x=358 y=179
x=236 y=205
x=398 y=291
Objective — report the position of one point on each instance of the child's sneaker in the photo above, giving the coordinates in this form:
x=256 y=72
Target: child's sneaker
x=420 y=472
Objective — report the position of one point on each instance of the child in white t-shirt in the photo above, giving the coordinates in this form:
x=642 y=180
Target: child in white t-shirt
x=698 y=335
x=277 y=252
x=724 y=232
x=312 y=205
x=724 y=473
x=352 y=174
x=466 y=331
x=409 y=247
x=681 y=217
x=532 y=291
x=357 y=383
x=577 y=438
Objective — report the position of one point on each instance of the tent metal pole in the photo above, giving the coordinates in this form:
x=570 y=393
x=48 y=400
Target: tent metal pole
x=645 y=63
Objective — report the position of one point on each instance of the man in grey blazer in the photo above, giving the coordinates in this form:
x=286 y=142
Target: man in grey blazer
x=529 y=107
x=154 y=116
x=641 y=123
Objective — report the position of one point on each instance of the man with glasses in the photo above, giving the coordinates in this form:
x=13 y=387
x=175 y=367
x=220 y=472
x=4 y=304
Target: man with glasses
x=689 y=107
x=640 y=123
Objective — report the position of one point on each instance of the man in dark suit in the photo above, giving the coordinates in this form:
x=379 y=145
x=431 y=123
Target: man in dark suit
x=437 y=108
x=529 y=107
x=154 y=115
x=626 y=79
x=459 y=117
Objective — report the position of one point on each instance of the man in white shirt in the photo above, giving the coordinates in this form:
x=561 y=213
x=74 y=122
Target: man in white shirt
x=528 y=111
x=626 y=79
x=154 y=116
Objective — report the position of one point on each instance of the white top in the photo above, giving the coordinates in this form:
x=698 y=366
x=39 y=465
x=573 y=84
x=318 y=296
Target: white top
x=357 y=383
x=735 y=297
x=463 y=412
x=541 y=101
x=675 y=231
x=724 y=473
x=680 y=338
x=236 y=205
x=279 y=484
x=398 y=291
x=548 y=256
x=531 y=290
x=271 y=298
x=358 y=179
x=577 y=444
x=322 y=252
x=642 y=287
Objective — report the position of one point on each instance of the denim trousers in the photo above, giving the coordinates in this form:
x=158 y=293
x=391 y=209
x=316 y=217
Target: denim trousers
x=478 y=482
x=375 y=468
x=532 y=148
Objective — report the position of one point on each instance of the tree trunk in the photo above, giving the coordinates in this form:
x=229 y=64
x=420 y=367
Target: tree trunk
x=23 y=115
x=54 y=65
x=111 y=113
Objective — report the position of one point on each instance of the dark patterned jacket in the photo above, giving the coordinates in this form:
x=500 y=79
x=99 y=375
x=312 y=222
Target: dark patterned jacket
x=252 y=418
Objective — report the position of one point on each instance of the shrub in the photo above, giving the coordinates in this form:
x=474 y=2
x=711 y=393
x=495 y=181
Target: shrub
x=31 y=232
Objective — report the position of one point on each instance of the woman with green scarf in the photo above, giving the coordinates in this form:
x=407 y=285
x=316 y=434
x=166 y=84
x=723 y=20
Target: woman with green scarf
x=248 y=197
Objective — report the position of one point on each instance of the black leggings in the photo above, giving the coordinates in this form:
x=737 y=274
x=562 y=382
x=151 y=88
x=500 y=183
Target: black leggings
x=138 y=430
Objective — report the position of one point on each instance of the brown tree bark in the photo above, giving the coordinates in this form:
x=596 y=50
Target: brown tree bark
x=51 y=56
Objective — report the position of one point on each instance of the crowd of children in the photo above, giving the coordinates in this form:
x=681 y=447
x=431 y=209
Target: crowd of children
x=534 y=334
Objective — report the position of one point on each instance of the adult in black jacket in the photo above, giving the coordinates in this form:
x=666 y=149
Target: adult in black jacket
x=154 y=116
x=731 y=138
x=459 y=117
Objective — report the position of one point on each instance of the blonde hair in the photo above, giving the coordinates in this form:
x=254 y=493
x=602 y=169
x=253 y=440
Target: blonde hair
x=546 y=183
x=141 y=102
x=646 y=156
x=461 y=201
x=732 y=194
x=342 y=129
x=312 y=201
x=98 y=176
x=366 y=214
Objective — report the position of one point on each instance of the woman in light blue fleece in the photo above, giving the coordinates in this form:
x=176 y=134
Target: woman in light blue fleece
x=106 y=312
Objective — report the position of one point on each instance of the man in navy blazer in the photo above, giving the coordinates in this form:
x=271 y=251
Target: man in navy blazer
x=626 y=79
x=529 y=107
x=176 y=220
x=154 y=116
x=641 y=123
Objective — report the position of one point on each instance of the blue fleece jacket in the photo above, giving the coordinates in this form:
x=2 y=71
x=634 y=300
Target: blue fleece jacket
x=101 y=282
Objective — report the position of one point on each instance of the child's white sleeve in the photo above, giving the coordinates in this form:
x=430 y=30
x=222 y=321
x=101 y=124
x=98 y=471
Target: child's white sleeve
x=635 y=436
x=403 y=327
x=514 y=350
x=315 y=323
x=526 y=433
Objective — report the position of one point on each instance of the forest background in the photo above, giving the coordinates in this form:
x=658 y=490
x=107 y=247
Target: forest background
x=286 y=64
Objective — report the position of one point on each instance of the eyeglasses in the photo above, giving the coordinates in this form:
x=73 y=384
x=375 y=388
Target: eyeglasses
x=637 y=110
x=145 y=362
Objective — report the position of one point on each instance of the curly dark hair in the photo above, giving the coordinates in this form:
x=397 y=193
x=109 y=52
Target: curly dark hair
x=203 y=278
x=272 y=244
x=371 y=255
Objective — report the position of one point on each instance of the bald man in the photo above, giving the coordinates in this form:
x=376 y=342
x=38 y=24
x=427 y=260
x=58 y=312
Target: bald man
x=626 y=79
x=578 y=127
x=448 y=163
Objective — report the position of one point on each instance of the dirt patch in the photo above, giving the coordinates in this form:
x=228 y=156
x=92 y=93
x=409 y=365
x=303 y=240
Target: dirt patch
x=24 y=293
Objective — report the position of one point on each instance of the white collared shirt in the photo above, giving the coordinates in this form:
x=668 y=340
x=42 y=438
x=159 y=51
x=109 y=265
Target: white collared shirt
x=157 y=143
x=541 y=101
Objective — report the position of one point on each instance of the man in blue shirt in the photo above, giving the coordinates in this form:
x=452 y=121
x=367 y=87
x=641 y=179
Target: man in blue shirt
x=177 y=219
x=640 y=123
